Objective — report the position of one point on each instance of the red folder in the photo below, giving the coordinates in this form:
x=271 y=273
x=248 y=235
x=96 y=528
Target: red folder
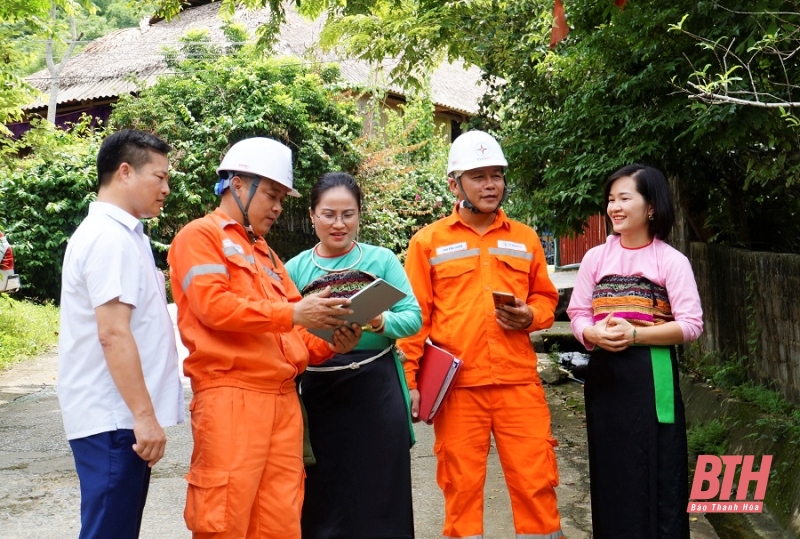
x=437 y=370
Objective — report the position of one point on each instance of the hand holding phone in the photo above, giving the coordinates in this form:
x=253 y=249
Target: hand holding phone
x=513 y=317
x=503 y=298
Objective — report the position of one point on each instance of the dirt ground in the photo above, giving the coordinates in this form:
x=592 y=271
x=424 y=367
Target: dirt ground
x=40 y=499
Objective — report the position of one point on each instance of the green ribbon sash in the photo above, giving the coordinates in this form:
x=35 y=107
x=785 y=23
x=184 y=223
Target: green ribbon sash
x=662 y=379
x=401 y=373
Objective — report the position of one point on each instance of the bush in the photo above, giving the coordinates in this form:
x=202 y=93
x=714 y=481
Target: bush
x=403 y=176
x=215 y=101
x=45 y=196
x=219 y=101
x=708 y=439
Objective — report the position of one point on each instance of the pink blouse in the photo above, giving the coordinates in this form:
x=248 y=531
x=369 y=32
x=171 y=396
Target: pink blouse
x=658 y=262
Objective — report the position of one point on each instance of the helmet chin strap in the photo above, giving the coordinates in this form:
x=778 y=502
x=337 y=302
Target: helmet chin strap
x=243 y=208
x=471 y=207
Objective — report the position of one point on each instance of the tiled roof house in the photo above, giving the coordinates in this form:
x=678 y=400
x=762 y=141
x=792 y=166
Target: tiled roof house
x=110 y=65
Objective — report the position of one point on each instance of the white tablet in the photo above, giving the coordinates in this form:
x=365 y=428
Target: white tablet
x=366 y=304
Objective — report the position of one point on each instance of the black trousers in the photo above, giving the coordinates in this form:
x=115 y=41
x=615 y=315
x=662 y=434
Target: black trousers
x=360 y=487
x=638 y=468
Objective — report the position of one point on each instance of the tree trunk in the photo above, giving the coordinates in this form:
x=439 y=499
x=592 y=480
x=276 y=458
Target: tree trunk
x=53 y=103
x=55 y=70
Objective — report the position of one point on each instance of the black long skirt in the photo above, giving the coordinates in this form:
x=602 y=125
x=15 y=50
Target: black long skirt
x=360 y=487
x=638 y=468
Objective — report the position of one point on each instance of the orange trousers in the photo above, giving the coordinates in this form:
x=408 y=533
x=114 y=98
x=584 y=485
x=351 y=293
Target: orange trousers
x=246 y=476
x=518 y=417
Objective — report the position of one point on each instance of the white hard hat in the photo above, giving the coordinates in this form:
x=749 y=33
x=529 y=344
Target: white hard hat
x=263 y=157
x=475 y=149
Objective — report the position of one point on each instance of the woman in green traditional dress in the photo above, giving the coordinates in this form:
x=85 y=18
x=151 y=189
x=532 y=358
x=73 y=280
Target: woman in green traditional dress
x=357 y=403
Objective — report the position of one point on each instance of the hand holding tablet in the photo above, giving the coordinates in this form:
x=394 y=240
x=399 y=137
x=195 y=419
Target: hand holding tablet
x=366 y=304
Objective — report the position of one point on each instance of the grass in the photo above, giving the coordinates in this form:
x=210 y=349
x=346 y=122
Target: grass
x=708 y=439
x=768 y=400
x=731 y=375
x=553 y=353
x=27 y=329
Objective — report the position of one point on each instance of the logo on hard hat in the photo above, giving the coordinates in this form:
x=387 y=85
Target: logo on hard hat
x=481 y=149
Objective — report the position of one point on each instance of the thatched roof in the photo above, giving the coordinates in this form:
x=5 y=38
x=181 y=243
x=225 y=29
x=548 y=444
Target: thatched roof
x=109 y=66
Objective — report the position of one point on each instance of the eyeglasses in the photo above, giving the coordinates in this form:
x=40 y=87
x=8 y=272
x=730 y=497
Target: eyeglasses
x=331 y=218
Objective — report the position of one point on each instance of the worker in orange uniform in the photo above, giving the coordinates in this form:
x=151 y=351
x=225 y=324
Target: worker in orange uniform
x=454 y=265
x=242 y=320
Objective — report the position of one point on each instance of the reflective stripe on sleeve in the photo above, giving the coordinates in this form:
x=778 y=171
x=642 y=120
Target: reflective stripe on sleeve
x=202 y=269
x=516 y=254
x=555 y=535
x=235 y=250
x=454 y=256
x=272 y=273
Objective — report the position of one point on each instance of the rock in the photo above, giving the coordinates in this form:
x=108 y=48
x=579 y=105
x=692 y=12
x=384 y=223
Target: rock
x=538 y=342
x=549 y=371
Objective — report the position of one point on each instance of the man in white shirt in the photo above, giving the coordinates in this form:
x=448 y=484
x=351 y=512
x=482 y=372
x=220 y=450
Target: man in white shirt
x=118 y=378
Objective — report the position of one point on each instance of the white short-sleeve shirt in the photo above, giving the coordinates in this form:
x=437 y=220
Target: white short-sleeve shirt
x=110 y=257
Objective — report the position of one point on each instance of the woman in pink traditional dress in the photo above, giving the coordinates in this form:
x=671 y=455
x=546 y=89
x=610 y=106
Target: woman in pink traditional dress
x=635 y=297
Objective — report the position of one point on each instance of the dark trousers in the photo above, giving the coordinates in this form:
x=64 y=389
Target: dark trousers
x=114 y=482
x=638 y=467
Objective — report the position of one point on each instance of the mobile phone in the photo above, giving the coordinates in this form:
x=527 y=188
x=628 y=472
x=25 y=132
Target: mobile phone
x=503 y=298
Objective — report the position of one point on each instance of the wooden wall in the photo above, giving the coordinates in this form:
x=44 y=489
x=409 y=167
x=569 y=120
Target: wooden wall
x=765 y=310
x=571 y=249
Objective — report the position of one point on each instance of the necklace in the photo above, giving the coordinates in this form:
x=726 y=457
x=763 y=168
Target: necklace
x=330 y=270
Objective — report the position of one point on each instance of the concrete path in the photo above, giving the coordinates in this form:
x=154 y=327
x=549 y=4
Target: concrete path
x=39 y=494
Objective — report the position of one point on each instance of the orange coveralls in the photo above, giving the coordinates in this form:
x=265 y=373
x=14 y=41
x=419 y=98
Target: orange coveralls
x=453 y=270
x=235 y=311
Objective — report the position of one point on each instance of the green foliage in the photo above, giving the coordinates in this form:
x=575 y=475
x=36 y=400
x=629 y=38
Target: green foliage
x=716 y=368
x=217 y=100
x=45 y=197
x=604 y=99
x=403 y=176
x=236 y=34
x=729 y=371
x=92 y=20
x=266 y=34
x=608 y=95
x=778 y=416
x=17 y=18
x=25 y=25
x=751 y=316
x=376 y=30
x=709 y=438
x=769 y=401
x=220 y=100
x=554 y=354
x=748 y=71
x=26 y=329
x=197 y=45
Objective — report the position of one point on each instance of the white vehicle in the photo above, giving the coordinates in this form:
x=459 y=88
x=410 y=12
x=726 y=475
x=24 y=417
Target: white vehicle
x=9 y=281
